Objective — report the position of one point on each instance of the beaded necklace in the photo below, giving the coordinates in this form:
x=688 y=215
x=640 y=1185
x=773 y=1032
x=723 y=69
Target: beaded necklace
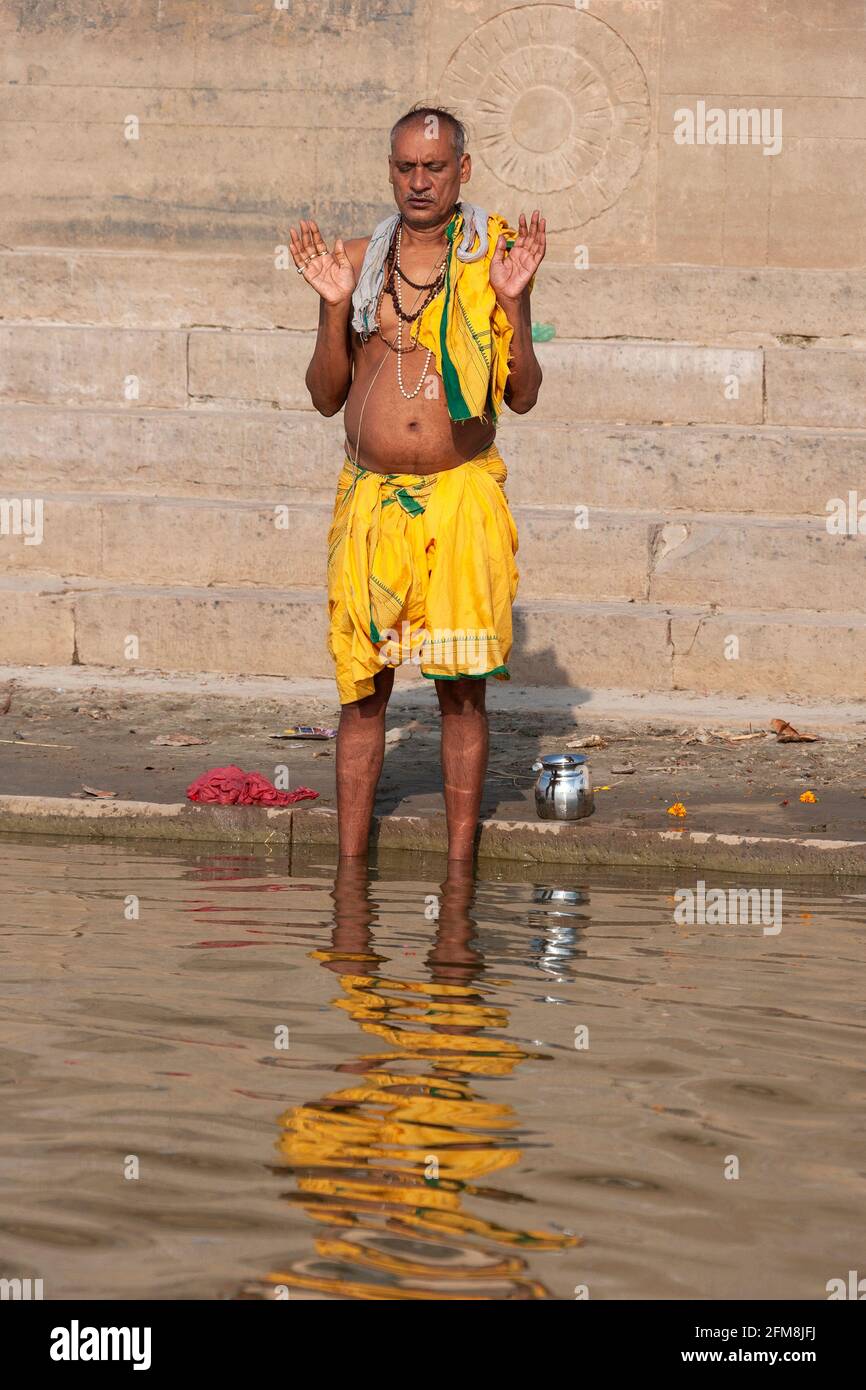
x=391 y=286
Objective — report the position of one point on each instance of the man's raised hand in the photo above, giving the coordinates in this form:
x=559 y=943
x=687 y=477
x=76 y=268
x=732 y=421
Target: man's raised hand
x=329 y=272
x=511 y=273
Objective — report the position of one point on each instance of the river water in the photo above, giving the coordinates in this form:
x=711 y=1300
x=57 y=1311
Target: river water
x=220 y=1079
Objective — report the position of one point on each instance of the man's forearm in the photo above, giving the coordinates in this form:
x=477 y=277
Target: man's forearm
x=329 y=374
x=524 y=377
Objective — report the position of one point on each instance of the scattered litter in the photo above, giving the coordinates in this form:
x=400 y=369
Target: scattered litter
x=395 y=736
x=322 y=753
x=786 y=733
x=93 y=791
x=176 y=740
x=7 y=698
x=590 y=741
x=231 y=786
x=28 y=743
x=92 y=711
x=678 y=809
x=702 y=735
x=307 y=731
x=808 y=796
x=624 y=770
x=403 y=731
x=509 y=776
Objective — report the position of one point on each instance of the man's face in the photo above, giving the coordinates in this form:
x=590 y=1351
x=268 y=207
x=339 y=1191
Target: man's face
x=425 y=172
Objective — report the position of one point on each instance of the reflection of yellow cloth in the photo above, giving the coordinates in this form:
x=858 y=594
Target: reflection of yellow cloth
x=421 y=567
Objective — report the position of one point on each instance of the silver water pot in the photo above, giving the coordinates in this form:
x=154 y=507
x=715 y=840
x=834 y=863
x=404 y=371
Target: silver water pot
x=563 y=788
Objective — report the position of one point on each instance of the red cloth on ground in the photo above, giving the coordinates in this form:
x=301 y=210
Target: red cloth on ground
x=231 y=786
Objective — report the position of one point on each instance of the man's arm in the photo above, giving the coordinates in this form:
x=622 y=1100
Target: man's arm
x=510 y=277
x=329 y=374
x=332 y=276
x=525 y=375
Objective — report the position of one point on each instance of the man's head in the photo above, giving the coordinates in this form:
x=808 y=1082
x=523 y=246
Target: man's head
x=427 y=164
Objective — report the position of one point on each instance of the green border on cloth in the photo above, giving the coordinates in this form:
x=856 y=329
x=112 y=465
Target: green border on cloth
x=457 y=407
x=469 y=676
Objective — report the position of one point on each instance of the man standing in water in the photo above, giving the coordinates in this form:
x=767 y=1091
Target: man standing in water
x=424 y=329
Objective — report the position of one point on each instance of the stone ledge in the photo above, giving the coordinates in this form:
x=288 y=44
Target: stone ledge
x=166 y=288
x=150 y=820
x=589 y=842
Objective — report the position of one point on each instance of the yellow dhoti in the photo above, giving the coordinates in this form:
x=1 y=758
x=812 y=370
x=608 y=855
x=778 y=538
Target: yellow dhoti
x=421 y=567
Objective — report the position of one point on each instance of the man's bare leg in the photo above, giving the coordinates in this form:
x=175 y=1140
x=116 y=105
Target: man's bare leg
x=360 y=754
x=465 y=741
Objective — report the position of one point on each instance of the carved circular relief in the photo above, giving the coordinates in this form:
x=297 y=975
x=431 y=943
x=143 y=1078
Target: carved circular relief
x=556 y=103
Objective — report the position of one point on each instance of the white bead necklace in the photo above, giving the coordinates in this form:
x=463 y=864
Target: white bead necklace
x=407 y=395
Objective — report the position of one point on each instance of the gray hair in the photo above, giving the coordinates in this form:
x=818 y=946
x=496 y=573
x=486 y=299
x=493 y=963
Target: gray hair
x=419 y=112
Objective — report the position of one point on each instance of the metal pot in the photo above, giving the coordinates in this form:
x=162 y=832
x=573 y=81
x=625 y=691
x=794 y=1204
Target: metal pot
x=563 y=788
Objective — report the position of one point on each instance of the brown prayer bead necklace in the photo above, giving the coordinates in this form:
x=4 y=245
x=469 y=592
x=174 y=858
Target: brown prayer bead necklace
x=391 y=287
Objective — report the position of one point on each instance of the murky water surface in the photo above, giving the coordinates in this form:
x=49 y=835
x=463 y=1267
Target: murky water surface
x=222 y=1080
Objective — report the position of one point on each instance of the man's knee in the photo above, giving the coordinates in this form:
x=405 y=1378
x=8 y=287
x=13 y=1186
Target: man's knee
x=372 y=706
x=464 y=696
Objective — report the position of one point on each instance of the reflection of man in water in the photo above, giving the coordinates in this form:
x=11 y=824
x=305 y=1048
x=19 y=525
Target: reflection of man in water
x=386 y=1162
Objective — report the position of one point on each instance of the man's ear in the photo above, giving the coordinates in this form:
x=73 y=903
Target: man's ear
x=466 y=168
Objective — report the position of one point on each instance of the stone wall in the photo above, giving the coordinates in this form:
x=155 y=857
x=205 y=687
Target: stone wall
x=250 y=115
x=703 y=311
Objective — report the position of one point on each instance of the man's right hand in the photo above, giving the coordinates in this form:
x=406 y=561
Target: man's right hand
x=329 y=272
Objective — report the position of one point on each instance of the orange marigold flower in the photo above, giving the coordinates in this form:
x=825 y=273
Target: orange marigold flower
x=808 y=796
x=678 y=809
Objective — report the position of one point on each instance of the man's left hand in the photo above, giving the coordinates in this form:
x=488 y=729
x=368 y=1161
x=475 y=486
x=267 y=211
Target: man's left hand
x=511 y=272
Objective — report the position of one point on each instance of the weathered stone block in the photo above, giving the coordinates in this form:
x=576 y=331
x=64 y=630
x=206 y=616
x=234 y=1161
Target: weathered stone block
x=92 y=366
x=38 y=627
x=816 y=386
x=250 y=368
x=650 y=382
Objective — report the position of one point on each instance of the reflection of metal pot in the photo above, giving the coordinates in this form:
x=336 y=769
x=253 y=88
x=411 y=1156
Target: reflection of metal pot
x=558 y=901
x=563 y=789
x=561 y=927
x=557 y=947
x=559 y=895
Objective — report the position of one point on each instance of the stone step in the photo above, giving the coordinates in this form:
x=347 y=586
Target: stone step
x=163 y=289
x=816 y=386
x=630 y=382
x=215 y=453
x=618 y=382
x=297 y=454
x=593 y=555
x=638 y=646
x=550 y=705
x=93 y=366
